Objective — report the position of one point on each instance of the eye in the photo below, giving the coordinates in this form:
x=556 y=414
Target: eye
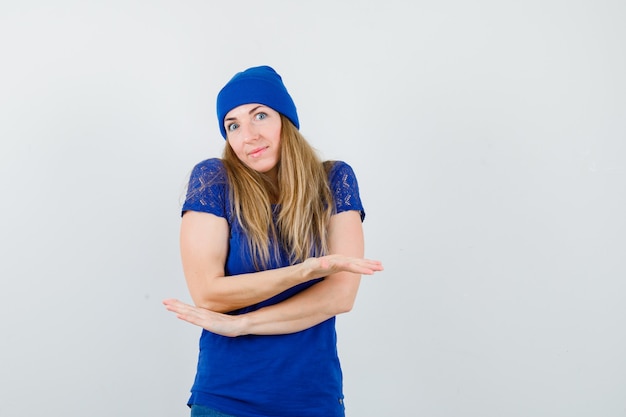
x=260 y=116
x=231 y=127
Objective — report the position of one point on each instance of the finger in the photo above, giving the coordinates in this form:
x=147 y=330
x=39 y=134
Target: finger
x=375 y=265
x=189 y=319
x=371 y=264
x=173 y=302
x=364 y=267
x=188 y=313
x=179 y=307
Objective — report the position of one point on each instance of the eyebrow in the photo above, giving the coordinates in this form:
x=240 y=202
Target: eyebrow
x=250 y=112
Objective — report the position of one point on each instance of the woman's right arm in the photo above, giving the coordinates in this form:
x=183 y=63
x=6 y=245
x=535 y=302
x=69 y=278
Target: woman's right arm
x=204 y=248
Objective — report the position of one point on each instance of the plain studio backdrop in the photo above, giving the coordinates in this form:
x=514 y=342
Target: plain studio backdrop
x=489 y=140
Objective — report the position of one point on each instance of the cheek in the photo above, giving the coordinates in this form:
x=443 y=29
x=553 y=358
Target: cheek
x=237 y=148
x=276 y=135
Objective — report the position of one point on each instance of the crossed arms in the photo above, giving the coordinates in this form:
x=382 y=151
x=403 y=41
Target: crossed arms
x=204 y=247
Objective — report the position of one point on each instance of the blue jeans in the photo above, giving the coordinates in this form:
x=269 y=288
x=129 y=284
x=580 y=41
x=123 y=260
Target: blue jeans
x=200 y=411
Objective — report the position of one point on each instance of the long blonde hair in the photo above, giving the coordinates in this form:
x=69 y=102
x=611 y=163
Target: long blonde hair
x=303 y=200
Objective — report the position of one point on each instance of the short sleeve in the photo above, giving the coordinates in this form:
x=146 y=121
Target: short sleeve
x=345 y=188
x=207 y=190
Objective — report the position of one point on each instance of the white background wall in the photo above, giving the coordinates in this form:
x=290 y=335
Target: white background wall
x=489 y=138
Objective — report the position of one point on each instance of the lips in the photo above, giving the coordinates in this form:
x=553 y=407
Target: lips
x=257 y=152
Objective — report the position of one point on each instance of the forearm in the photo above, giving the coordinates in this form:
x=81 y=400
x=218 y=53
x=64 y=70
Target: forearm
x=334 y=295
x=224 y=294
x=213 y=293
x=204 y=251
x=228 y=293
x=312 y=306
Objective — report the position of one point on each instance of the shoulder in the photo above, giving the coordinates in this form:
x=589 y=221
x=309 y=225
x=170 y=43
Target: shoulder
x=212 y=167
x=335 y=167
x=209 y=172
x=344 y=187
x=207 y=190
x=339 y=171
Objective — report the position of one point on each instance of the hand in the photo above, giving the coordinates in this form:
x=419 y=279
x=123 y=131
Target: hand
x=218 y=323
x=329 y=264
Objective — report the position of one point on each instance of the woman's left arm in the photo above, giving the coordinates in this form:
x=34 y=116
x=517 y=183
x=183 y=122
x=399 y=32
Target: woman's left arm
x=334 y=295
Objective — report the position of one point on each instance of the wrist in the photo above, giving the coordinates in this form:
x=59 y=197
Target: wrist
x=304 y=272
x=244 y=324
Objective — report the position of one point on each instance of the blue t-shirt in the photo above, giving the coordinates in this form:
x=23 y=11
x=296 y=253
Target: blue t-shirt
x=280 y=375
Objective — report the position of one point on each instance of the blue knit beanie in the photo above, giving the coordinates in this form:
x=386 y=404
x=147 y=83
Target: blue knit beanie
x=260 y=85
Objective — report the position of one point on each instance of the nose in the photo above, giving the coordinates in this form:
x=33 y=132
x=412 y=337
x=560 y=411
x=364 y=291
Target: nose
x=248 y=131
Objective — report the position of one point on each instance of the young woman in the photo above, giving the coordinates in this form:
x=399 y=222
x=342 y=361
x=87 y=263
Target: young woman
x=272 y=251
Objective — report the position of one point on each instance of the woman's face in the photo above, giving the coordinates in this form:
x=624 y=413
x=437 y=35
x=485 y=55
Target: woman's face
x=253 y=131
